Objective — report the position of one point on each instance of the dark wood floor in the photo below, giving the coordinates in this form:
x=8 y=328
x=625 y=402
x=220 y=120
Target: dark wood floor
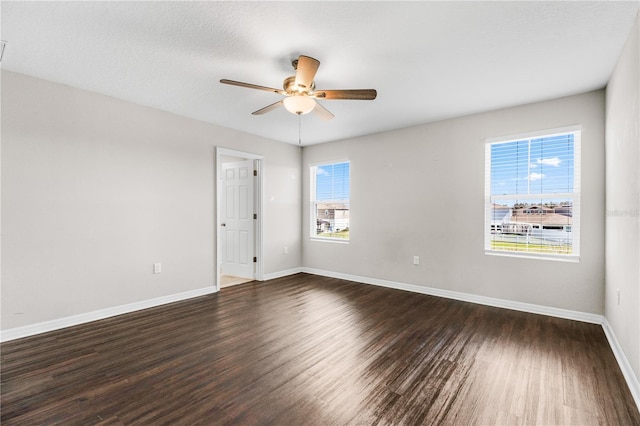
x=305 y=350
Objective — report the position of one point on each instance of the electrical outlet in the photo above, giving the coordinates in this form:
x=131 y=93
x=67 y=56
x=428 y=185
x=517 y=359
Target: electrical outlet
x=157 y=268
x=286 y=250
x=416 y=260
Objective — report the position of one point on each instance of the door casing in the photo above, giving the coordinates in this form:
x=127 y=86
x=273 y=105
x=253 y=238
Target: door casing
x=258 y=191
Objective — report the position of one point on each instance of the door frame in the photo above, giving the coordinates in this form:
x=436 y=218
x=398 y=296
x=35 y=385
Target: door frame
x=258 y=191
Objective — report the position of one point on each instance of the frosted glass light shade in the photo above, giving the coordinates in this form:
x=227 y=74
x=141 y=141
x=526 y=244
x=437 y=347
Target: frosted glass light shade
x=298 y=104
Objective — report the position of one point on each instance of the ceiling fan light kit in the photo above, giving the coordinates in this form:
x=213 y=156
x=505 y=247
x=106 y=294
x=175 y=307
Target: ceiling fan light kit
x=299 y=104
x=300 y=91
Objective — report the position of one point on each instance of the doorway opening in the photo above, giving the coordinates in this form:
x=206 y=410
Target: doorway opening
x=238 y=217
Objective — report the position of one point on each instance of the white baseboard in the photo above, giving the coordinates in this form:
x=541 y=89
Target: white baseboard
x=466 y=297
x=43 y=327
x=627 y=371
x=623 y=362
x=280 y=274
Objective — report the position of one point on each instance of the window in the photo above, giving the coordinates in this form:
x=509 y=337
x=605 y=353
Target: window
x=330 y=201
x=532 y=195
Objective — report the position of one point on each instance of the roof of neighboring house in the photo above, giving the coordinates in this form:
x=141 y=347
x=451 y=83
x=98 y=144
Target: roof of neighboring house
x=537 y=208
x=499 y=213
x=333 y=206
x=543 y=219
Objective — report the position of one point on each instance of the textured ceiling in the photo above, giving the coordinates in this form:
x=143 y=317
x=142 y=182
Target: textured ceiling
x=428 y=60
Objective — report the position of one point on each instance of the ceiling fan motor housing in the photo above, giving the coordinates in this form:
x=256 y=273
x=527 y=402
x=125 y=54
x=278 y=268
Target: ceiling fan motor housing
x=291 y=88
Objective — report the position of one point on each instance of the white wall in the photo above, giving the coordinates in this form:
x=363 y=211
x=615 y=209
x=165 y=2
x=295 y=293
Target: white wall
x=623 y=200
x=420 y=191
x=95 y=190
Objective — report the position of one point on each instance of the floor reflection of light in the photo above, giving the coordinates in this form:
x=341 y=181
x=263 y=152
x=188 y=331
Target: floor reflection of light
x=329 y=333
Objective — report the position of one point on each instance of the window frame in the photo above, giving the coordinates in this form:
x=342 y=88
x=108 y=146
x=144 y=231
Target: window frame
x=313 y=202
x=575 y=196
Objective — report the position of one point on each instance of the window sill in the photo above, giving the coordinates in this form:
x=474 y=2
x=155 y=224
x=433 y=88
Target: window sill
x=330 y=240
x=539 y=256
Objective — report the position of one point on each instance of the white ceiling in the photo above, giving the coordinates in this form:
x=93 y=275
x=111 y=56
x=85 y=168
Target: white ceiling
x=428 y=60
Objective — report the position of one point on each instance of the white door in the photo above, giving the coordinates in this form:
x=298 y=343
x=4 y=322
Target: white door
x=237 y=226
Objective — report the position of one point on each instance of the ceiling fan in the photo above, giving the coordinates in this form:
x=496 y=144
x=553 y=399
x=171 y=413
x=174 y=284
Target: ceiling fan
x=300 y=91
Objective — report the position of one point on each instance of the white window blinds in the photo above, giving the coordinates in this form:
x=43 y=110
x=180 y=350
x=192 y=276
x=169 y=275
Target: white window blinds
x=330 y=192
x=532 y=195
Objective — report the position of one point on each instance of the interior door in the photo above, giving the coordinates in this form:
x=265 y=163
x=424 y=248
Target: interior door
x=237 y=225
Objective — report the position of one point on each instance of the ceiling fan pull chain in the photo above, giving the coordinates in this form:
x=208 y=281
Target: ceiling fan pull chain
x=299 y=129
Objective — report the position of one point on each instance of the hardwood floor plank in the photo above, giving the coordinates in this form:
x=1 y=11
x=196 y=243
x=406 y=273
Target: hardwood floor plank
x=316 y=351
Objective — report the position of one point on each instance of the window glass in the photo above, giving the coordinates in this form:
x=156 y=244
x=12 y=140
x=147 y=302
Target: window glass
x=330 y=192
x=532 y=196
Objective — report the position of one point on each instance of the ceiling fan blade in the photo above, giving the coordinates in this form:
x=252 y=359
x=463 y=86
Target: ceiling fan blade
x=252 y=86
x=267 y=108
x=322 y=112
x=356 y=94
x=306 y=71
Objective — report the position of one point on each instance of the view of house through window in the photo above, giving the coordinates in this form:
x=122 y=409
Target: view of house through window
x=532 y=194
x=330 y=201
